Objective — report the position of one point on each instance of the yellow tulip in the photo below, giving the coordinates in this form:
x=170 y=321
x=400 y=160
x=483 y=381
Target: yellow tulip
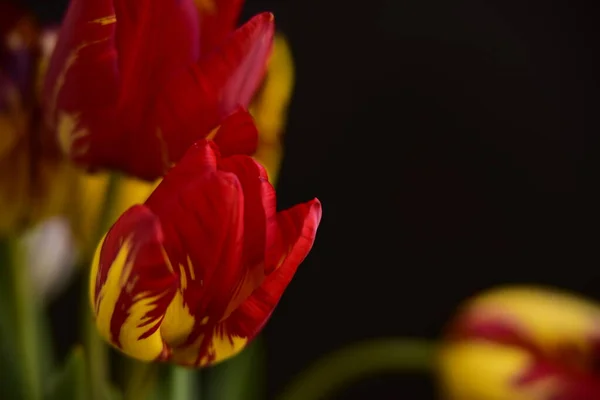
x=270 y=105
x=523 y=343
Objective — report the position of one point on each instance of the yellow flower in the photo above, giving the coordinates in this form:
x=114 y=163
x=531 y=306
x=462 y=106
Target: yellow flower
x=91 y=195
x=523 y=343
x=270 y=105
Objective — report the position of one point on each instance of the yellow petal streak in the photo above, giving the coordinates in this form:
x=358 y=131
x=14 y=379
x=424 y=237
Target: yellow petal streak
x=178 y=321
x=485 y=370
x=118 y=279
x=222 y=346
x=68 y=132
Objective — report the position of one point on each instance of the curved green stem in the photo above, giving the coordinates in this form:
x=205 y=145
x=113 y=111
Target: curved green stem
x=97 y=359
x=346 y=365
x=184 y=384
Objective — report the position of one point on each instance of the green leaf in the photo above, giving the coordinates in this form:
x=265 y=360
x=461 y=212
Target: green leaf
x=240 y=378
x=71 y=382
x=11 y=379
x=25 y=344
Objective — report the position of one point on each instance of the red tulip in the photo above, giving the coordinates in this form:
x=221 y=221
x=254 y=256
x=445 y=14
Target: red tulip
x=129 y=88
x=193 y=275
x=217 y=19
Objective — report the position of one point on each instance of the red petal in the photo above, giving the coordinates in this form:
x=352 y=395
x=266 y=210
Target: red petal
x=237 y=68
x=202 y=213
x=153 y=38
x=298 y=226
x=200 y=97
x=217 y=21
x=237 y=134
x=260 y=224
x=81 y=81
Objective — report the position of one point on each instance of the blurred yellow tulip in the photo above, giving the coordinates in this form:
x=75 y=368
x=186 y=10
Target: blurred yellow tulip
x=270 y=105
x=523 y=343
x=92 y=193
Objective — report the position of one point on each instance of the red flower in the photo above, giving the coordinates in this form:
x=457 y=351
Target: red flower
x=193 y=275
x=130 y=87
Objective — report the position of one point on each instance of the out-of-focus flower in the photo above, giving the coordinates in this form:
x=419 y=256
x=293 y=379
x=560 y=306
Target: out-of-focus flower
x=90 y=204
x=33 y=183
x=130 y=88
x=51 y=255
x=523 y=343
x=193 y=275
x=270 y=105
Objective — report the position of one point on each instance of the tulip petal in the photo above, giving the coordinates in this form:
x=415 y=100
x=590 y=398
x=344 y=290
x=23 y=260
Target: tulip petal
x=202 y=213
x=153 y=39
x=213 y=345
x=81 y=81
x=237 y=134
x=217 y=19
x=193 y=102
x=298 y=226
x=487 y=370
x=132 y=284
x=260 y=222
x=239 y=65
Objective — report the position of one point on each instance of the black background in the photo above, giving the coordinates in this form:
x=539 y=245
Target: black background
x=450 y=144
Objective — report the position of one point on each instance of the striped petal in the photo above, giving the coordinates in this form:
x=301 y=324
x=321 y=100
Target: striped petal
x=523 y=343
x=202 y=214
x=297 y=229
x=132 y=284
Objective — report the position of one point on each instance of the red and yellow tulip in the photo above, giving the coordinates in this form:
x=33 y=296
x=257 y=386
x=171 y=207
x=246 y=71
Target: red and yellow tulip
x=523 y=343
x=193 y=274
x=132 y=84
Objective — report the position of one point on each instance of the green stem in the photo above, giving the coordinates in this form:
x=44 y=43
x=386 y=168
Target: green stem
x=26 y=322
x=184 y=384
x=96 y=355
x=97 y=359
x=142 y=379
x=343 y=367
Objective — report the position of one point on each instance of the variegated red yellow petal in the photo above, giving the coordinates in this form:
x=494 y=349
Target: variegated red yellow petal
x=523 y=343
x=81 y=81
x=297 y=226
x=487 y=370
x=202 y=215
x=213 y=345
x=132 y=284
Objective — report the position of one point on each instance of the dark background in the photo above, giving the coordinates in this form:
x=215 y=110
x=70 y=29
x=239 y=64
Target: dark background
x=449 y=142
